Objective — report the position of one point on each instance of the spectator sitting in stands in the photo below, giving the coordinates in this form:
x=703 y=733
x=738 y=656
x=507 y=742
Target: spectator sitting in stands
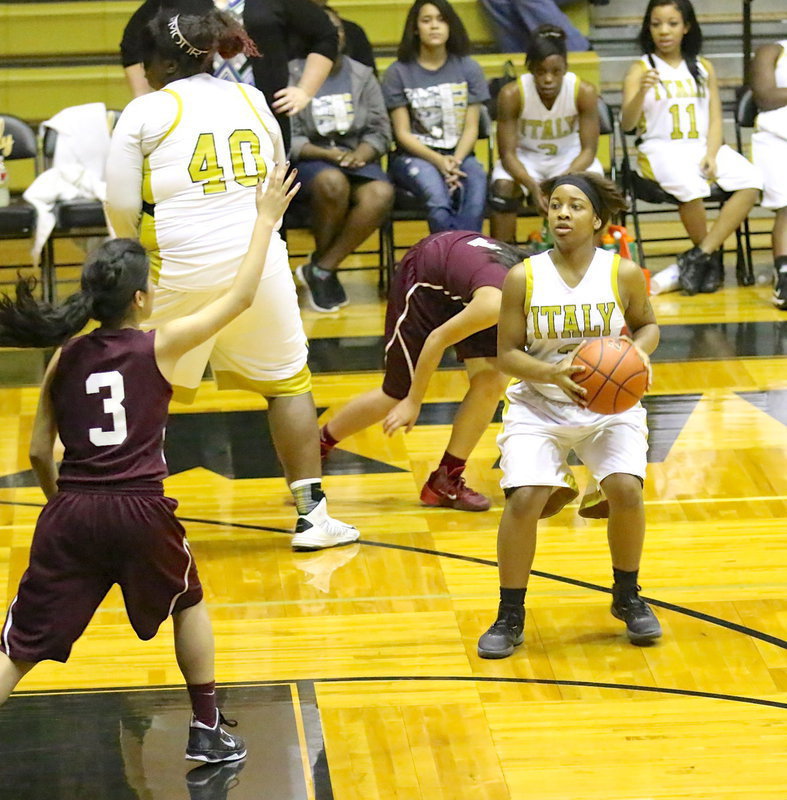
x=434 y=93
x=337 y=144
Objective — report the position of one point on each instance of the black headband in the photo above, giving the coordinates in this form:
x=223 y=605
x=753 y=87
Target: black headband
x=584 y=185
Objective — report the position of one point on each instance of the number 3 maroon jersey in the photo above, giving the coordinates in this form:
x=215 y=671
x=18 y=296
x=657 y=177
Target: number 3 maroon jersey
x=111 y=406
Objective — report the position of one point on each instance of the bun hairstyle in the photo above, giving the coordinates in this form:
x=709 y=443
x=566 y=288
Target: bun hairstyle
x=111 y=276
x=192 y=41
x=690 y=46
x=548 y=40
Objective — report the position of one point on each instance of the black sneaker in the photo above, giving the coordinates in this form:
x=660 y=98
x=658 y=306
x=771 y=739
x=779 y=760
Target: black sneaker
x=714 y=277
x=213 y=781
x=642 y=626
x=337 y=290
x=692 y=268
x=506 y=633
x=322 y=296
x=214 y=744
x=779 y=298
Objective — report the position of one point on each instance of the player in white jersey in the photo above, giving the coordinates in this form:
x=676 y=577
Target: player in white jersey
x=671 y=98
x=769 y=150
x=551 y=304
x=547 y=125
x=183 y=166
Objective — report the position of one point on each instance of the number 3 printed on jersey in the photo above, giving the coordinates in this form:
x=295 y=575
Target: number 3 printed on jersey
x=113 y=405
x=244 y=146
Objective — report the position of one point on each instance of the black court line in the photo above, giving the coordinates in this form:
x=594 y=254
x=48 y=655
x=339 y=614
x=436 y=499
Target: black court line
x=488 y=562
x=736 y=698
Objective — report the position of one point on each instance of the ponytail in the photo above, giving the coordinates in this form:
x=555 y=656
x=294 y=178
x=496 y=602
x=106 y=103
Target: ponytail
x=111 y=277
x=27 y=322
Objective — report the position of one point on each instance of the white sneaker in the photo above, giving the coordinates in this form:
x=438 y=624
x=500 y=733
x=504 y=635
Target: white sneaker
x=316 y=530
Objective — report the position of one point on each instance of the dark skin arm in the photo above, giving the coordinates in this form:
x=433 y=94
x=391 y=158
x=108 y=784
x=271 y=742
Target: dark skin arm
x=587 y=107
x=767 y=94
x=638 y=312
x=511 y=340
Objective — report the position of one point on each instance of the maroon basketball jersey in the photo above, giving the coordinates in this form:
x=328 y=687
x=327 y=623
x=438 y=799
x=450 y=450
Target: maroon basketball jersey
x=111 y=405
x=459 y=262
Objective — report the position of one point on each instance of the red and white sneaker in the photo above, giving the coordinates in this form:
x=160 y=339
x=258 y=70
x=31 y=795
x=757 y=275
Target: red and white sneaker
x=449 y=490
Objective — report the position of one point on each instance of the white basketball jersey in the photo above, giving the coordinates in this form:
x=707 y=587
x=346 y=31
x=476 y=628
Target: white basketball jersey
x=205 y=143
x=549 y=131
x=675 y=109
x=775 y=120
x=559 y=317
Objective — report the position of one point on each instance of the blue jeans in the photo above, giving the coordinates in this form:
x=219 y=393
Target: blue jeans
x=461 y=210
x=515 y=21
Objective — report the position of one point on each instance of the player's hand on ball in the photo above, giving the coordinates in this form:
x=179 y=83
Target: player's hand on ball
x=645 y=359
x=562 y=378
x=272 y=201
x=403 y=415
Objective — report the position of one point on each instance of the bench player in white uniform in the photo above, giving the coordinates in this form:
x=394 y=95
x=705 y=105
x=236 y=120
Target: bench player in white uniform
x=547 y=125
x=769 y=150
x=183 y=167
x=551 y=303
x=671 y=98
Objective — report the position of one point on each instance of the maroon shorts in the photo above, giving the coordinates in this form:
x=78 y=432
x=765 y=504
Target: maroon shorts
x=414 y=311
x=83 y=544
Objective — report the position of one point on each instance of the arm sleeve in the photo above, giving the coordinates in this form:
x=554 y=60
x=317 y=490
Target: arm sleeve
x=141 y=126
x=313 y=26
x=378 y=129
x=477 y=87
x=393 y=87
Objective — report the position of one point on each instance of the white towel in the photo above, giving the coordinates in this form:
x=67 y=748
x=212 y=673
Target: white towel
x=78 y=167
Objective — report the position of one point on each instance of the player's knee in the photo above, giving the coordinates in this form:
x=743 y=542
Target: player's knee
x=623 y=491
x=525 y=501
x=505 y=196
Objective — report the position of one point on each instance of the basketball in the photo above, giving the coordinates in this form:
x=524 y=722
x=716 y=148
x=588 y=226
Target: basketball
x=615 y=376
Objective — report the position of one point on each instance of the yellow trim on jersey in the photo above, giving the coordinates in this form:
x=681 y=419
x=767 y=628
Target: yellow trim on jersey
x=147 y=224
x=614 y=278
x=182 y=394
x=252 y=107
x=178 y=116
x=577 y=84
x=528 y=285
x=300 y=383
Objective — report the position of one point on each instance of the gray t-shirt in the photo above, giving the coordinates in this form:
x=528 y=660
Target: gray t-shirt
x=332 y=108
x=437 y=99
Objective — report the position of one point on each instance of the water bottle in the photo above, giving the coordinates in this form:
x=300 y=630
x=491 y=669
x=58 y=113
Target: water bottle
x=5 y=194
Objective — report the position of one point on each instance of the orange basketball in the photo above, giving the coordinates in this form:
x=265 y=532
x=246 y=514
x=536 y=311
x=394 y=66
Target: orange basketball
x=614 y=375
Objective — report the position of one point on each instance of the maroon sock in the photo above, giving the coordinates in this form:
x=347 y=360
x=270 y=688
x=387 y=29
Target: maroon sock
x=326 y=437
x=454 y=465
x=203 y=702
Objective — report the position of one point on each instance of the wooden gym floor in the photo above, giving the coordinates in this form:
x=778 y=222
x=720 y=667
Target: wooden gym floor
x=353 y=672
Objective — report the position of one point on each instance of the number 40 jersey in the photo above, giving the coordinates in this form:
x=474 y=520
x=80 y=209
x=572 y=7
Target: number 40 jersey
x=183 y=166
x=111 y=405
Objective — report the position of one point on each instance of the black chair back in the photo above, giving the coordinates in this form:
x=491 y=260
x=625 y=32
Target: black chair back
x=17 y=138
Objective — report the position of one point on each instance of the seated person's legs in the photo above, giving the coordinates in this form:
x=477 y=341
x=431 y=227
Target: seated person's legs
x=426 y=182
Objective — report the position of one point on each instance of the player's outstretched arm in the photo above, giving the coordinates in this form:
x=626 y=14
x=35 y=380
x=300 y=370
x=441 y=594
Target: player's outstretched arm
x=42 y=441
x=479 y=314
x=177 y=337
